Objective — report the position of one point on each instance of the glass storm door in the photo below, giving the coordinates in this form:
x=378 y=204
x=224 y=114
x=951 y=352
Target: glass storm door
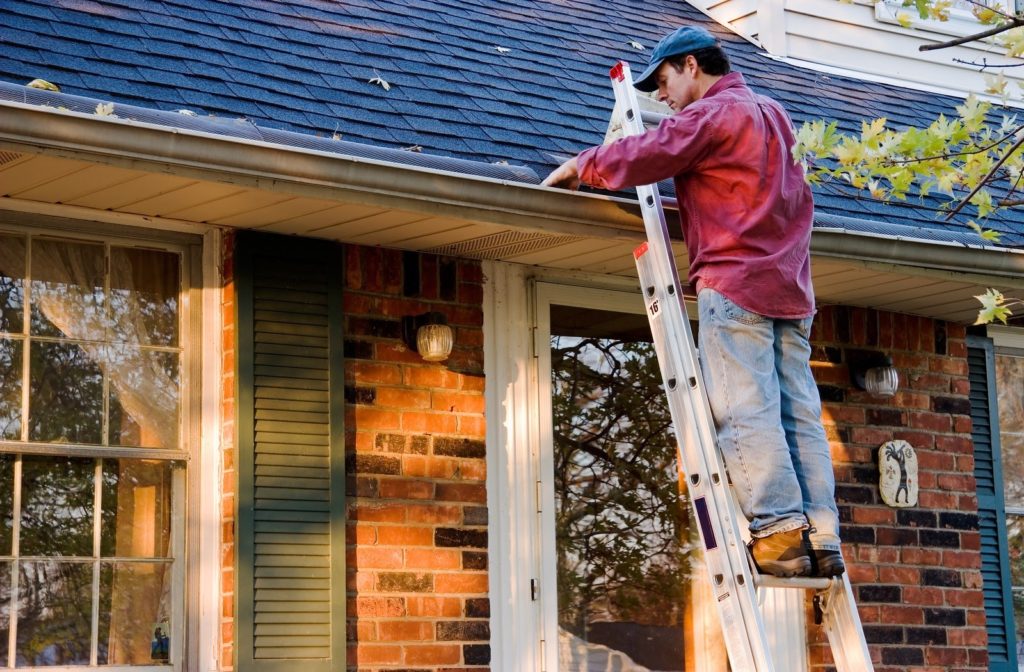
x=617 y=541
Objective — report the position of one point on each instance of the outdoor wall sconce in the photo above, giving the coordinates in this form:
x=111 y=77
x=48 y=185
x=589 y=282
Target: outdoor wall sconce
x=873 y=372
x=429 y=335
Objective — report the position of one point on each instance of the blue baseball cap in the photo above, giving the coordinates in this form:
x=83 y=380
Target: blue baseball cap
x=684 y=40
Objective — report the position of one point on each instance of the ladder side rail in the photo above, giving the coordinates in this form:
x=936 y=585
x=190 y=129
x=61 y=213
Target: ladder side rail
x=844 y=629
x=727 y=566
x=724 y=555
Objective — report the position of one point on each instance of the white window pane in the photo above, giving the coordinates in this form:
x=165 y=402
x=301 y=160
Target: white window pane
x=6 y=510
x=622 y=528
x=144 y=286
x=12 y=283
x=136 y=520
x=67 y=289
x=54 y=609
x=135 y=614
x=144 y=397
x=65 y=393
x=1010 y=390
x=10 y=388
x=57 y=497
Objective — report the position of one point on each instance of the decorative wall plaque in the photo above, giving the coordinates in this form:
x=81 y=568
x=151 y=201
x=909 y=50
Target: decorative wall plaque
x=897 y=469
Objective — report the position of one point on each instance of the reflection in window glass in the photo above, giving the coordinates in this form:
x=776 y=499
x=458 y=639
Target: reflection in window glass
x=136 y=520
x=54 y=608
x=66 y=394
x=57 y=506
x=6 y=504
x=1010 y=391
x=5 y=609
x=144 y=296
x=10 y=388
x=134 y=627
x=144 y=404
x=622 y=530
x=12 y=284
x=67 y=290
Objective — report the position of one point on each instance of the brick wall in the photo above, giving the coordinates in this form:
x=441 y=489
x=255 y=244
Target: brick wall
x=229 y=477
x=916 y=571
x=417 y=535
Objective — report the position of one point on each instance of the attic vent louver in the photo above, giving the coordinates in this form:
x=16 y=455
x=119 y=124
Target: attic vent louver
x=7 y=157
x=502 y=245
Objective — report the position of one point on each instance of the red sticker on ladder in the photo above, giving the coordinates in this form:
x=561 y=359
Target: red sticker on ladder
x=640 y=251
x=616 y=72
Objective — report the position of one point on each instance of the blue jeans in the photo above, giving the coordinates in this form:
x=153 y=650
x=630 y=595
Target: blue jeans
x=767 y=411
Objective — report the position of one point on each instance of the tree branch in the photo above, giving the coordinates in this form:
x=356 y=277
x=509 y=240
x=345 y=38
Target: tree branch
x=983 y=181
x=1015 y=22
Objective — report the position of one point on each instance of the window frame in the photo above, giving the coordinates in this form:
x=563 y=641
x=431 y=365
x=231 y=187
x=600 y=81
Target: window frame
x=523 y=598
x=185 y=504
x=961 y=21
x=1008 y=341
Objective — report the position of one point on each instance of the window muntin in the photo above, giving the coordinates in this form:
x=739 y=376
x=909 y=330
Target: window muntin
x=91 y=540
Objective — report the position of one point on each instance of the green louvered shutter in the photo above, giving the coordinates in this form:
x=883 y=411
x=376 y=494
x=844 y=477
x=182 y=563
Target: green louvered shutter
x=991 y=514
x=291 y=501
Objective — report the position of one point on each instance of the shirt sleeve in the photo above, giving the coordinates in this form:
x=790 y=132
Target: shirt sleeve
x=675 y=146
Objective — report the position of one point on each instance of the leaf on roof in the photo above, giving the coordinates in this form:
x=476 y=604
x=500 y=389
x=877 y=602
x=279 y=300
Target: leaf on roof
x=337 y=133
x=636 y=45
x=904 y=19
x=502 y=50
x=380 y=81
x=105 y=110
x=412 y=148
x=43 y=84
x=187 y=113
x=501 y=163
x=990 y=235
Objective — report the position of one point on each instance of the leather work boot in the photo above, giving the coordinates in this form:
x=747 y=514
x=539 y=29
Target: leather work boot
x=826 y=564
x=781 y=554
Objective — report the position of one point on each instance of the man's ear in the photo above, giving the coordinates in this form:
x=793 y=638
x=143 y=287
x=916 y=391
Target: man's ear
x=691 y=65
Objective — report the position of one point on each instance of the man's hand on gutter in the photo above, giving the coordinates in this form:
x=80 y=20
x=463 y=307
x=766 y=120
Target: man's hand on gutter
x=566 y=176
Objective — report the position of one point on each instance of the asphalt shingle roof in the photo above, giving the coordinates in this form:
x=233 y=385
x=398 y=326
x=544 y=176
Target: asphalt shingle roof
x=306 y=65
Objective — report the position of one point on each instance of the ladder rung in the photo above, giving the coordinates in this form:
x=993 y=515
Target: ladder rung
x=803 y=583
x=652 y=118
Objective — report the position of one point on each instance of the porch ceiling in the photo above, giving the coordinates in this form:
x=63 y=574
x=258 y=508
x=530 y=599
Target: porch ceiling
x=352 y=201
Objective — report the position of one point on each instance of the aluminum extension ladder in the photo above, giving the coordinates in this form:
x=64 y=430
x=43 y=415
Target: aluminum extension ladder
x=734 y=583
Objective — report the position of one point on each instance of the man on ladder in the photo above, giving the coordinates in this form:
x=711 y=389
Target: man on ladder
x=746 y=214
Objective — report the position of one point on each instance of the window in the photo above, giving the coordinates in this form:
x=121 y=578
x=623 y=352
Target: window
x=962 y=18
x=1009 y=371
x=92 y=477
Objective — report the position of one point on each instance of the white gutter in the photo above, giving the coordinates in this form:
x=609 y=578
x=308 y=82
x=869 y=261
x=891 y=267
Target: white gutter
x=317 y=174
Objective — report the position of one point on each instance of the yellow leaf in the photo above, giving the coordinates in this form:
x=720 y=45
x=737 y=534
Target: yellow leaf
x=993 y=307
x=43 y=84
x=904 y=19
x=105 y=110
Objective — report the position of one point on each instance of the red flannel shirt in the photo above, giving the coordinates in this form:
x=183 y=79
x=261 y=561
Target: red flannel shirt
x=745 y=208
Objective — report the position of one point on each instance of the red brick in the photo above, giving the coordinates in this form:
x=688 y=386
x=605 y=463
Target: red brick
x=400 y=397
x=433 y=558
x=925 y=596
x=430 y=606
x=959 y=482
x=392 y=488
x=957 y=444
x=375 y=654
x=434 y=514
x=869 y=435
x=371 y=418
x=362 y=371
x=936 y=500
x=914 y=555
x=838 y=413
x=361 y=534
x=874 y=516
x=377 y=513
x=461 y=492
x=372 y=557
x=461 y=583
x=961 y=559
x=918 y=440
x=472 y=425
x=404 y=535
x=454 y=402
x=934 y=461
x=395 y=352
x=430 y=423
x=406 y=631
x=432 y=654
x=432 y=377
x=377 y=607
x=903 y=615
x=904 y=576
x=935 y=422
x=472 y=470
x=965 y=598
